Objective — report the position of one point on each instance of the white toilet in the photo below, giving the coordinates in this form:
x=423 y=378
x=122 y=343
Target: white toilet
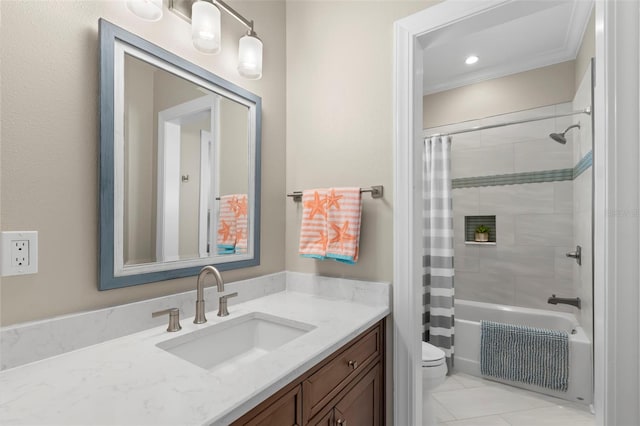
x=434 y=371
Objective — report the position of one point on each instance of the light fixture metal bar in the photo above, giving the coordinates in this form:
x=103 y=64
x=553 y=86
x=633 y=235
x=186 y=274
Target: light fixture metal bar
x=231 y=11
x=510 y=123
x=182 y=8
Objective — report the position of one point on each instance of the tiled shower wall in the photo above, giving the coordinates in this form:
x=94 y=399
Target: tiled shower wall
x=534 y=221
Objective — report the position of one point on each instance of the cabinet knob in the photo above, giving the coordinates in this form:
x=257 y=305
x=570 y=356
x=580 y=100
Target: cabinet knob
x=341 y=422
x=353 y=364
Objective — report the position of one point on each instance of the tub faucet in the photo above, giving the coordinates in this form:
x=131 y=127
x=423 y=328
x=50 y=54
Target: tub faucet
x=573 y=301
x=200 y=317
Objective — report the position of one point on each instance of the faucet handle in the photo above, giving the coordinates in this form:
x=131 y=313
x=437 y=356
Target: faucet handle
x=228 y=296
x=222 y=304
x=174 y=318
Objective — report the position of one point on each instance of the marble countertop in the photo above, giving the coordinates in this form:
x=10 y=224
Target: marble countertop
x=131 y=381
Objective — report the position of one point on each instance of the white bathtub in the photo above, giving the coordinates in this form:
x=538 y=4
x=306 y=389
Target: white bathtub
x=468 y=315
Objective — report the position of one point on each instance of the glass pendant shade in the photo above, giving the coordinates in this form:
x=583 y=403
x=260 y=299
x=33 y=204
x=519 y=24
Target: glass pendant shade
x=250 y=57
x=205 y=27
x=149 y=10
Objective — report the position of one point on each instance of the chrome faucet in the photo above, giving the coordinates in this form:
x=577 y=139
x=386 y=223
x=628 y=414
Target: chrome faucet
x=573 y=301
x=577 y=255
x=200 y=317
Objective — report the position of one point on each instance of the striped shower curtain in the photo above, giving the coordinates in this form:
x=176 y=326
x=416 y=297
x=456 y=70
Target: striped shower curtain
x=437 y=260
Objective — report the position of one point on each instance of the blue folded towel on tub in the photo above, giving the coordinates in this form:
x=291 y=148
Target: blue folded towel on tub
x=535 y=356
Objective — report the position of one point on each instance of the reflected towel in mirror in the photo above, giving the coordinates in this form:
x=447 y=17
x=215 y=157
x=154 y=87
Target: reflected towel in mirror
x=232 y=229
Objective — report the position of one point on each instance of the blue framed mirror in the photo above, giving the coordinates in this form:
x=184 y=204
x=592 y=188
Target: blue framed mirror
x=179 y=166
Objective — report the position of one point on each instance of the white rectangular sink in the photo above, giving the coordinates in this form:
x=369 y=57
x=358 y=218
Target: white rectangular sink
x=229 y=345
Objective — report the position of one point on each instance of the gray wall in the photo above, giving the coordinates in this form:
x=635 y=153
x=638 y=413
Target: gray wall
x=523 y=269
x=534 y=221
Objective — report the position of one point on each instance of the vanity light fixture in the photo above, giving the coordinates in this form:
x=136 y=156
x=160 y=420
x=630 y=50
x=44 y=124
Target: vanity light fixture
x=471 y=59
x=205 y=23
x=149 y=10
x=204 y=16
x=205 y=27
x=250 y=56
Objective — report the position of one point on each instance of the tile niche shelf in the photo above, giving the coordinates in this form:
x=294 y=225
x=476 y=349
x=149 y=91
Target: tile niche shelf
x=480 y=243
x=470 y=225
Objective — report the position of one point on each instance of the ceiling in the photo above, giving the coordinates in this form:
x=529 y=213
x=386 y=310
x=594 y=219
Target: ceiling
x=517 y=36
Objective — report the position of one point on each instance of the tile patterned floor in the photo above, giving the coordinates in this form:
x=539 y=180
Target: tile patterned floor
x=464 y=400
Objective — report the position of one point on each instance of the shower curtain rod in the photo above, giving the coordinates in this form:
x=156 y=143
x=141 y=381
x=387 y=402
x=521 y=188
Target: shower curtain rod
x=510 y=123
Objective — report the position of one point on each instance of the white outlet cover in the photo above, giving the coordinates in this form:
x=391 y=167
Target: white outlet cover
x=6 y=268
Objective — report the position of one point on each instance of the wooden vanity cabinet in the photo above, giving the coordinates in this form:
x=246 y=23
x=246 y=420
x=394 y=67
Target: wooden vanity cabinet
x=345 y=389
x=359 y=405
x=281 y=409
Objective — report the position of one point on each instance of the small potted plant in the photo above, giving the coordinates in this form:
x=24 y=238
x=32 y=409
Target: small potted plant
x=482 y=233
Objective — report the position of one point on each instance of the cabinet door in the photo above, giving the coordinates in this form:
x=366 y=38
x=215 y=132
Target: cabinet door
x=322 y=420
x=285 y=411
x=361 y=405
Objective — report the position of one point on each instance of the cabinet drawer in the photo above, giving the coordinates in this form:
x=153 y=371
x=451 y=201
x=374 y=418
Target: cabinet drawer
x=319 y=388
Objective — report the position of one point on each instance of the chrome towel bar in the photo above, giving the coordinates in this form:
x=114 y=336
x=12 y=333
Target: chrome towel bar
x=376 y=192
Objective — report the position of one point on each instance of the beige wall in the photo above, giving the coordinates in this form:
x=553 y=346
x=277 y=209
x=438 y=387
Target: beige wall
x=338 y=132
x=340 y=119
x=530 y=89
x=139 y=225
x=49 y=168
x=234 y=155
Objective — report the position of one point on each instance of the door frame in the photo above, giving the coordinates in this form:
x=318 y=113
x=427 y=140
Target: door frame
x=616 y=206
x=169 y=179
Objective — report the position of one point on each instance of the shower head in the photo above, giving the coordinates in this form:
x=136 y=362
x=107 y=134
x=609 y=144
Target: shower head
x=559 y=137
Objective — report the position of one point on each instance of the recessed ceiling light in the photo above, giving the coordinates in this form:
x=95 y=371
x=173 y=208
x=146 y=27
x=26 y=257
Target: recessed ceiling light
x=472 y=59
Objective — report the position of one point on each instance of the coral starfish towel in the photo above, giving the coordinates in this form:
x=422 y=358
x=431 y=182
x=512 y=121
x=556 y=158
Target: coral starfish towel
x=344 y=209
x=330 y=226
x=313 y=229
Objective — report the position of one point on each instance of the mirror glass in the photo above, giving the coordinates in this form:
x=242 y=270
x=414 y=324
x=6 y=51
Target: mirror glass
x=183 y=144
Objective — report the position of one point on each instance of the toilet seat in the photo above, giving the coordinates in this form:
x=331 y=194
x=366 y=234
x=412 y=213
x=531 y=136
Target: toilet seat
x=432 y=356
x=434 y=373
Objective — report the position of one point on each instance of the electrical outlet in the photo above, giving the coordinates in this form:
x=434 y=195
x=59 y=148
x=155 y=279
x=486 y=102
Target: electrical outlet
x=19 y=253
